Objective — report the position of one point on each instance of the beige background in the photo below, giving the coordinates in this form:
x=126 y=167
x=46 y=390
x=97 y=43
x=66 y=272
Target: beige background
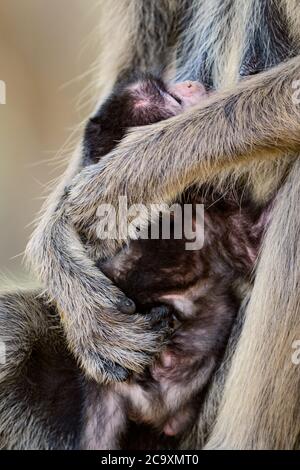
x=43 y=46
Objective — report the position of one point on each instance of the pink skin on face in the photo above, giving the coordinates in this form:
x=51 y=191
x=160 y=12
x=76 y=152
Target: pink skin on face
x=190 y=93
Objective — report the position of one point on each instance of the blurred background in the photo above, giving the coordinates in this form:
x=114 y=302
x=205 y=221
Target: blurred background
x=46 y=49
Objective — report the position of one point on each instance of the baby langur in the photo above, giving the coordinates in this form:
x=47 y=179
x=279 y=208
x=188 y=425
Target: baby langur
x=193 y=288
x=143 y=101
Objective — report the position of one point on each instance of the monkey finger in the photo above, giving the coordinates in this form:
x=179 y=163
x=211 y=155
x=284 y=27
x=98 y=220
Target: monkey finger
x=160 y=313
x=161 y=320
x=126 y=306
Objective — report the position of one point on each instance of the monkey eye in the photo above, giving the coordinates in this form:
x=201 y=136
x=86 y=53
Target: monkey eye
x=176 y=98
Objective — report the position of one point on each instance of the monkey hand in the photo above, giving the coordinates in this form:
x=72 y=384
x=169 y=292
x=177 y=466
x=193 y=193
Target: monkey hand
x=110 y=341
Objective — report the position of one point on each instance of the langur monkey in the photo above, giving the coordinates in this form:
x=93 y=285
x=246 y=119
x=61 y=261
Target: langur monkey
x=247 y=133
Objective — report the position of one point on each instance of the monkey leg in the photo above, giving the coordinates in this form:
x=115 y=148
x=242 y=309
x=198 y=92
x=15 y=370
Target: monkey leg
x=104 y=418
x=40 y=393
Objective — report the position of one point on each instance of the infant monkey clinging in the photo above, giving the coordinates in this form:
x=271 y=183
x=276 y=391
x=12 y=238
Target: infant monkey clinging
x=196 y=287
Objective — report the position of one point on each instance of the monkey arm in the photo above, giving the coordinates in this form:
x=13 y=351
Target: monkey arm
x=98 y=333
x=154 y=164
x=257 y=120
x=145 y=34
x=260 y=403
x=106 y=342
x=154 y=34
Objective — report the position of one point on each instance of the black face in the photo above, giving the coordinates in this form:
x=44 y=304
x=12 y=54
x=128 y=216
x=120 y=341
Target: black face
x=138 y=102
